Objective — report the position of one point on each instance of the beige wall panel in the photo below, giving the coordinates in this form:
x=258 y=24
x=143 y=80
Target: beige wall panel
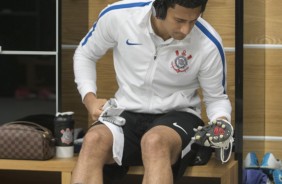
x=106 y=80
x=254 y=22
x=253 y=146
x=273 y=89
x=95 y=7
x=71 y=100
x=221 y=15
x=254 y=92
x=274 y=147
x=230 y=58
x=273 y=22
x=74 y=21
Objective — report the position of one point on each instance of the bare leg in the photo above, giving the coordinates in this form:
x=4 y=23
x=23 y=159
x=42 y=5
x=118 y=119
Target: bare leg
x=161 y=147
x=95 y=152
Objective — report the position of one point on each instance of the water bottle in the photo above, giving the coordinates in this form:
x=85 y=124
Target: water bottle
x=64 y=134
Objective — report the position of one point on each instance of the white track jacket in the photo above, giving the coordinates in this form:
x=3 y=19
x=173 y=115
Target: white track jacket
x=155 y=78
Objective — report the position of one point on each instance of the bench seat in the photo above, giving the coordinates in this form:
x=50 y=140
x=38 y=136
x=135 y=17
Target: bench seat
x=225 y=173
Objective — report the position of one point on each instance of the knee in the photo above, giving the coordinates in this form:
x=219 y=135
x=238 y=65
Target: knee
x=96 y=139
x=91 y=138
x=153 y=144
x=96 y=148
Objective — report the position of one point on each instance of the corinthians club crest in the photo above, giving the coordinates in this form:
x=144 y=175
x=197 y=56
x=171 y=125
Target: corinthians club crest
x=181 y=62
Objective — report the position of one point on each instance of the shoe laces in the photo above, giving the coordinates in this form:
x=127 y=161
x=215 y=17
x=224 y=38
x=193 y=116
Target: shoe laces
x=223 y=146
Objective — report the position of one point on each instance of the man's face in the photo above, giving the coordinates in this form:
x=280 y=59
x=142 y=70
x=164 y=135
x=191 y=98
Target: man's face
x=180 y=21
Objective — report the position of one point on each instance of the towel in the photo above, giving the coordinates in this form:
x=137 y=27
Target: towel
x=110 y=117
x=118 y=141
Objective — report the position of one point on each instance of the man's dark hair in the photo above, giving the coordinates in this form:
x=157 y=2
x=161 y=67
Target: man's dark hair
x=161 y=6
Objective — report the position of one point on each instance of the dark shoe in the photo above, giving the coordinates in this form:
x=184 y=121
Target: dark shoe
x=217 y=134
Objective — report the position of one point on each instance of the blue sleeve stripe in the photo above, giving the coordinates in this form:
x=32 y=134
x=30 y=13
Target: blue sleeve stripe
x=114 y=7
x=219 y=47
x=89 y=34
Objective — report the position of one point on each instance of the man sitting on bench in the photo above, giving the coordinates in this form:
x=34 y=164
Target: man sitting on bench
x=164 y=51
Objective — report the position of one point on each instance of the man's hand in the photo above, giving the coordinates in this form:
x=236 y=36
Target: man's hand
x=94 y=105
x=222 y=117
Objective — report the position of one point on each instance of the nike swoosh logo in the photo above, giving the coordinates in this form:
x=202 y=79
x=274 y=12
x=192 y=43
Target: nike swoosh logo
x=176 y=125
x=131 y=43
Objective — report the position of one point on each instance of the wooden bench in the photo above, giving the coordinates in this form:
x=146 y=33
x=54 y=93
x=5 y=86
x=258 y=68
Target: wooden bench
x=225 y=173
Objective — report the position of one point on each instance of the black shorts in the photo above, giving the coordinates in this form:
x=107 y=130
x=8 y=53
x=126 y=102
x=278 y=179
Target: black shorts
x=137 y=124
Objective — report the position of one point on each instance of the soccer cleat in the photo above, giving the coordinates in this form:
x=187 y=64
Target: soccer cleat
x=251 y=161
x=217 y=134
x=277 y=176
x=270 y=163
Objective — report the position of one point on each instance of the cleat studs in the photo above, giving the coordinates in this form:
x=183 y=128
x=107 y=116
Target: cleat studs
x=215 y=137
x=200 y=127
x=197 y=137
x=210 y=138
x=206 y=143
x=218 y=123
x=195 y=129
x=221 y=136
x=214 y=122
x=208 y=134
x=223 y=126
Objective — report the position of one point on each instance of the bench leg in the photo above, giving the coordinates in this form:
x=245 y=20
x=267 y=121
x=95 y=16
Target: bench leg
x=231 y=176
x=65 y=177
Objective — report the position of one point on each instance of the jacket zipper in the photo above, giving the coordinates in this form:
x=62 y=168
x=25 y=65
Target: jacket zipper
x=149 y=80
x=156 y=53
